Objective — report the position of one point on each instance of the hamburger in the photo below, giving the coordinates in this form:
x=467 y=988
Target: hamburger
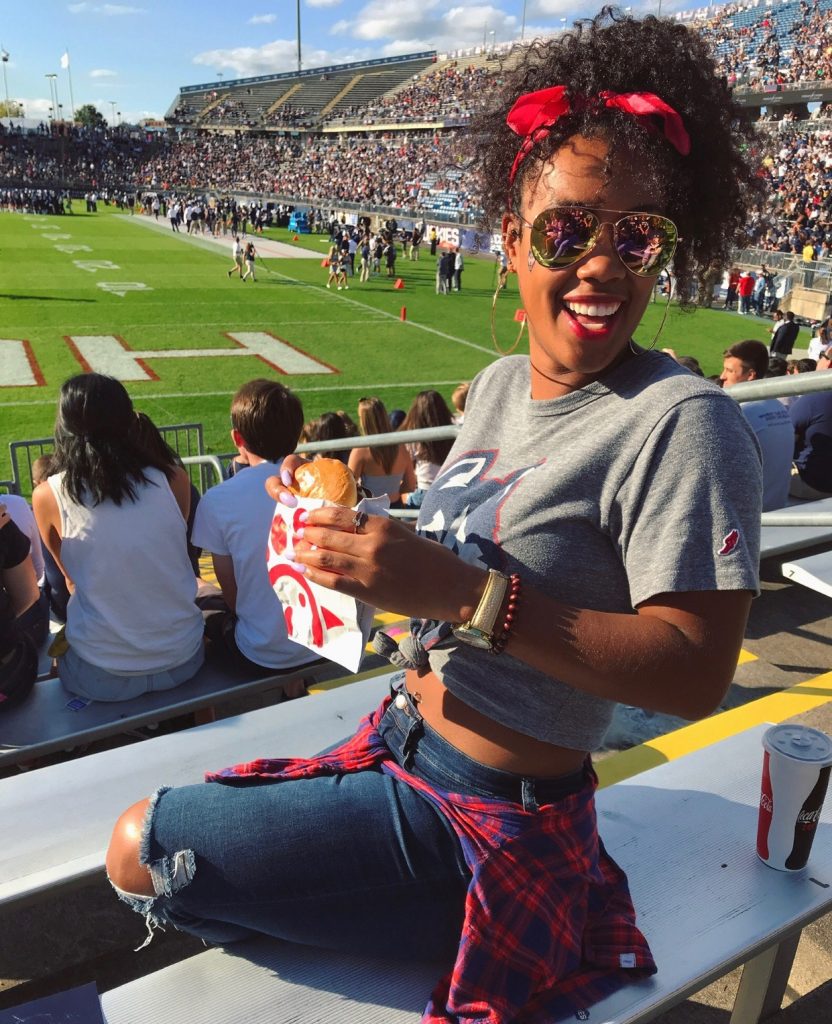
x=329 y=479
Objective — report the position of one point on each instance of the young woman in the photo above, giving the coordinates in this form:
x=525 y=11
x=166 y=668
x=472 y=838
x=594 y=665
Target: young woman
x=113 y=517
x=249 y=255
x=382 y=469
x=587 y=542
x=429 y=409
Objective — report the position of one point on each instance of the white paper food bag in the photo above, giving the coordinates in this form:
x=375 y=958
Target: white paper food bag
x=325 y=621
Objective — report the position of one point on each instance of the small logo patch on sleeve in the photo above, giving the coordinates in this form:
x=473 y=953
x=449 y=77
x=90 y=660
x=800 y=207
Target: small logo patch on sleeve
x=627 y=959
x=729 y=542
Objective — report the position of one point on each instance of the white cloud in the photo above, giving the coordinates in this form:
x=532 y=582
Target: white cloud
x=35 y=108
x=429 y=25
x=322 y=3
x=554 y=9
x=278 y=55
x=103 y=73
x=262 y=19
x=108 y=10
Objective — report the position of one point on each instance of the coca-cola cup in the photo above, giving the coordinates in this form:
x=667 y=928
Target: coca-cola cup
x=796 y=767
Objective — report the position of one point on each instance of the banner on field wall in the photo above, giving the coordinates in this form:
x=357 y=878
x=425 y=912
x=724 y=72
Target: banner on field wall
x=468 y=239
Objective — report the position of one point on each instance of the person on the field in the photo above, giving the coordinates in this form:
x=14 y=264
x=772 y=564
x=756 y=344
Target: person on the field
x=237 y=254
x=249 y=255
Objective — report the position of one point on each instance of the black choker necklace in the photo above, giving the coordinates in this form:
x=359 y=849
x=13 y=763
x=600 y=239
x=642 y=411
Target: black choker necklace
x=554 y=380
x=564 y=383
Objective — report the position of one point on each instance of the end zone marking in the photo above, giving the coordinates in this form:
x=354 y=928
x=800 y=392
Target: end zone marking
x=18 y=366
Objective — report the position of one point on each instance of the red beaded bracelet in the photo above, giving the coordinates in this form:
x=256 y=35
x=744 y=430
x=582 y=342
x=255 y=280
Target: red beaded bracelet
x=515 y=586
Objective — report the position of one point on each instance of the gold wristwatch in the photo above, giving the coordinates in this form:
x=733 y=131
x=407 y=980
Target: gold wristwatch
x=478 y=631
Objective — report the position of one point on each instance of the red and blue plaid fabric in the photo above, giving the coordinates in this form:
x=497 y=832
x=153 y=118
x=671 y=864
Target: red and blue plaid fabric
x=549 y=926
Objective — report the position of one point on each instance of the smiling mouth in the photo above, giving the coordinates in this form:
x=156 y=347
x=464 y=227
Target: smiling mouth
x=593 y=316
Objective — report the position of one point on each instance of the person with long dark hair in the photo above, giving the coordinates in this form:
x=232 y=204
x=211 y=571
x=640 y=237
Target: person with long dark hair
x=586 y=542
x=113 y=515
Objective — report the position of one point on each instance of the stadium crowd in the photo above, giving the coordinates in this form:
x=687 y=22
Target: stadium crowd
x=420 y=171
x=445 y=94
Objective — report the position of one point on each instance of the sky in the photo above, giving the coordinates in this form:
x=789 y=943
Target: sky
x=130 y=59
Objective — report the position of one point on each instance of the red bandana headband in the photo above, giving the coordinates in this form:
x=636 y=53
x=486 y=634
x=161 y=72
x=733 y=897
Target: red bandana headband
x=534 y=114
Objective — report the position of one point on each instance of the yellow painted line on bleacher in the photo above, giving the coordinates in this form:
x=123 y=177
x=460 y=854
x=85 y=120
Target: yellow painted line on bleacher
x=776 y=707
x=745 y=657
x=388 y=618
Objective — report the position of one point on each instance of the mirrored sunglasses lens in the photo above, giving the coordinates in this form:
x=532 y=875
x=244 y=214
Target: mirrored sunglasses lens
x=645 y=243
x=560 y=237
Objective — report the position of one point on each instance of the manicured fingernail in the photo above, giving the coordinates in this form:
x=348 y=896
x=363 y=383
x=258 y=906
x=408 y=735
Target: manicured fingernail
x=298 y=534
x=313 y=547
x=298 y=567
x=288 y=499
x=286 y=477
x=303 y=516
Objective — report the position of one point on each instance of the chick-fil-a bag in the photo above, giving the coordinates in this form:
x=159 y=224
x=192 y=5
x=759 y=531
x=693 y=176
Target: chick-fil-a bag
x=325 y=621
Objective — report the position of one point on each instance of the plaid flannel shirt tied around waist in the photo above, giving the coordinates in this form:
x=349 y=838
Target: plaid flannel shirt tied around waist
x=549 y=925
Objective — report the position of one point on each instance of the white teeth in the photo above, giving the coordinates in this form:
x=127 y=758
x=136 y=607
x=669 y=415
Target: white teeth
x=592 y=309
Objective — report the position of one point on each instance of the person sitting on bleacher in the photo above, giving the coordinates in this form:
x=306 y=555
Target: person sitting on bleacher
x=811 y=417
x=769 y=419
x=113 y=517
x=587 y=542
x=35 y=621
x=243 y=619
x=18 y=595
x=54 y=583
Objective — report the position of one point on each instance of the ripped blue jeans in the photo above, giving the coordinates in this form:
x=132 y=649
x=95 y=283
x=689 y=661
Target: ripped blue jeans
x=359 y=862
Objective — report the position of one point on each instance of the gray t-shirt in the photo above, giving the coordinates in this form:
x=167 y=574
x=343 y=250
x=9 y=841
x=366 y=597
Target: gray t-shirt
x=647 y=482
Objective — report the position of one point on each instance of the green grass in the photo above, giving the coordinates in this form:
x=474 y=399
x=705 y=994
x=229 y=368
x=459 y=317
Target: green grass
x=45 y=297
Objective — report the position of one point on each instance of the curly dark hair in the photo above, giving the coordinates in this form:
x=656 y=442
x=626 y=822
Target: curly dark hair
x=707 y=193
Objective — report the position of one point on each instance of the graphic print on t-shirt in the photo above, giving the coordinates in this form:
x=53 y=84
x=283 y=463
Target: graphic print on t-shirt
x=462 y=509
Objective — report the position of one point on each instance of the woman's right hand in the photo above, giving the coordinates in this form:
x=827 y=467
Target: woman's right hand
x=5 y=518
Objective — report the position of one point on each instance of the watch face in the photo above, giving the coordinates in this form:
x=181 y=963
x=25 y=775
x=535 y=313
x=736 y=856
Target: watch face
x=474 y=638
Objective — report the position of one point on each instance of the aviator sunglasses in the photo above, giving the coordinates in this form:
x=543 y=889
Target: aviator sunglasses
x=563 y=235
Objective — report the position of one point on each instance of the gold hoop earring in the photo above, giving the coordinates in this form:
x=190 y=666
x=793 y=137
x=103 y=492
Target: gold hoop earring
x=643 y=351
x=495 y=343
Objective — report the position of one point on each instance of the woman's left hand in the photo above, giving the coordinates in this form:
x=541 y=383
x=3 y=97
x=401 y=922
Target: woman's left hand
x=386 y=565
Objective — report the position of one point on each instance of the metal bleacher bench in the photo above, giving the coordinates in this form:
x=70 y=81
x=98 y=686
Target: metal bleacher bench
x=683 y=831
x=784 y=539
x=50 y=719
x=815 y=570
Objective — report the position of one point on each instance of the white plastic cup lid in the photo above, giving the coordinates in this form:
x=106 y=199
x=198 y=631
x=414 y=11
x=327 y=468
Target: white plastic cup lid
x=799 y=742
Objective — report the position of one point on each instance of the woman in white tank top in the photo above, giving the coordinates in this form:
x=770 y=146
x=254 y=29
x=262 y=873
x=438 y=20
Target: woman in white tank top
x=113 y=516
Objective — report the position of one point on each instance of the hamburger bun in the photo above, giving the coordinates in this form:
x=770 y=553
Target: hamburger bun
x=329 y=479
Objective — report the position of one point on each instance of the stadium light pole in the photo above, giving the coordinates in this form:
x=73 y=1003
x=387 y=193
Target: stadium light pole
x=4 y=57
x=299 y=60
x=523 y=23
x=112 y=113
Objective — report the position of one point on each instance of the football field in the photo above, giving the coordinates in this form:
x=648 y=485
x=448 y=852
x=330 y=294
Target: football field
x=105 y=292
